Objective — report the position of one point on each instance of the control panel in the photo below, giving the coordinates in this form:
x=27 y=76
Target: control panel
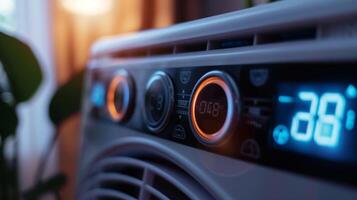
x=299 y=117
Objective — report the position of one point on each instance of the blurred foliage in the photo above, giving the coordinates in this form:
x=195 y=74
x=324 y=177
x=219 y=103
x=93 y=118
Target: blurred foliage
x=20 y=77
x=67 y=99
x=8 y=120
x=52 y=184
x=21 y=67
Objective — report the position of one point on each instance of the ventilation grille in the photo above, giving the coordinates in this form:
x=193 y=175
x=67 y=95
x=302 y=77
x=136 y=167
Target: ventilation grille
x=220 y=42
x=149 y=178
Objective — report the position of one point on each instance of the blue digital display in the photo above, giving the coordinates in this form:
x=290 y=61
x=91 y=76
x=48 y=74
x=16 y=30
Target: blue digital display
x=316 y=119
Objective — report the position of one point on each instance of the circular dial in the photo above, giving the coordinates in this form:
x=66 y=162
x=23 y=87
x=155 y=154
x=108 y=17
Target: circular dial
x=120 y=96
x=214 y=107
x=159 y=100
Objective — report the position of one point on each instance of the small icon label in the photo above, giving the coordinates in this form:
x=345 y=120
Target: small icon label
x=281 y=134
x=179 y=132
x=258 y=77
x=185 y=77
x=250 y=148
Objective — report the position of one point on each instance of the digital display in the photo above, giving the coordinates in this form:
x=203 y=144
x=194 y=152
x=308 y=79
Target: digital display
x=155 y=98
x=316 y=119
x=211 y=109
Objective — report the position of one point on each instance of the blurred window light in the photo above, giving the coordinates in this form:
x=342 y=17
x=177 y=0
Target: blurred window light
x=7 y=6
x=87 y=7
x=7 y=15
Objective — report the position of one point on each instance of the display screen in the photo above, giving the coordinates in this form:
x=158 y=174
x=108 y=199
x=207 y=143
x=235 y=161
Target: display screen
x=211 y=108
x=156 y=100
x=317 y=120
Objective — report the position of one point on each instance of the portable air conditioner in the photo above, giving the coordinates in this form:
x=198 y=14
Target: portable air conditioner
x=254 y=104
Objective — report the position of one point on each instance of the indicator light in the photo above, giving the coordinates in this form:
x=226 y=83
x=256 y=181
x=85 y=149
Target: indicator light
x=120 y=96
x=214 y=107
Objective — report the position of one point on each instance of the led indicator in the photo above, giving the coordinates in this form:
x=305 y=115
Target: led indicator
x=350 y=120
x=285 y=99
x=98 y=94
x=281 y=134
x=320 y=123
x=351 y=92
x=328 y=127
x=301 y=118
x=316 y=119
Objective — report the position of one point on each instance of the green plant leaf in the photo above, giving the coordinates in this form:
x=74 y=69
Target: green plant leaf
x=21 y=67
x=67 y=99
x=8 y=120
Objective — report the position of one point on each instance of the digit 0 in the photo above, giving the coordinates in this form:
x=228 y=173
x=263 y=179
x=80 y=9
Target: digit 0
x=202 y=108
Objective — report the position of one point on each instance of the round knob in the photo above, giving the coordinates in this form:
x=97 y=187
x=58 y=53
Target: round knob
x=159 y=101
x=214 y=107
x=120 y=96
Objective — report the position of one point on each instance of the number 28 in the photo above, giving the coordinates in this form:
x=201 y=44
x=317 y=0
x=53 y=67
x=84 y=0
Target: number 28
x=326 y=129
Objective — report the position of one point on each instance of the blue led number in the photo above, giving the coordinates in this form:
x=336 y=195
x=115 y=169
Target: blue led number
x=328 y=125
x=328 y=111
x=298 y=132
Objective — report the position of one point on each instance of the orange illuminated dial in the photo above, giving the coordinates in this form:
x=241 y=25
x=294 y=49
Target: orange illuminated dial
x=120 y=96
x=214 y=107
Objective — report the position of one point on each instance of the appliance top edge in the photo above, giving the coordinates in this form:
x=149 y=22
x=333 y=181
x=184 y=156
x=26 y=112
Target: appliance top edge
x=284 y=14
x=309 y=51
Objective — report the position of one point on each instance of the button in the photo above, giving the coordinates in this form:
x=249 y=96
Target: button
x=120 y=96
x=179 y=132
x=214 y=107
x=159 y=100
x=258 y=77
x=250 y=148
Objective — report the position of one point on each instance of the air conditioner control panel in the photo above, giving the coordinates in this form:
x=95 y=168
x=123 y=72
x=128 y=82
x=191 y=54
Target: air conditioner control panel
x=299 y=117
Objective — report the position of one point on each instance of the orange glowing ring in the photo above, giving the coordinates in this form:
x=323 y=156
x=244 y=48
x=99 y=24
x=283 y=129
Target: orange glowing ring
x=115 y=114
x=225 y=82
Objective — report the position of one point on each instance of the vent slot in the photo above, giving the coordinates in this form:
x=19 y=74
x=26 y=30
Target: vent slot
x=168 y=189
x=287 y=36
x=193 y=47
x=160 y=179
x=131 y=190
x=164 y=50
x=134 y=53
x=126 y=170
x=231 y=43
x=221 y=42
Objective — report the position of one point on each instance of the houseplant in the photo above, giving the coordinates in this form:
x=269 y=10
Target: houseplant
x=20 y=78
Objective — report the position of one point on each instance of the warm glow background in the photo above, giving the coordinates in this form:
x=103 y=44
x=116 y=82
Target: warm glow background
x=76 y=25
x=76 y=28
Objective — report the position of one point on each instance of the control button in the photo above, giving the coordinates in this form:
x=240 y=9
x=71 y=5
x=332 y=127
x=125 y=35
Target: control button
x=214 y=107
x=258 y=77
x=97 y=96
x=159 y=100
x=250 y=148
x=120 y=96
x=179 y=132
x=185 y=77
